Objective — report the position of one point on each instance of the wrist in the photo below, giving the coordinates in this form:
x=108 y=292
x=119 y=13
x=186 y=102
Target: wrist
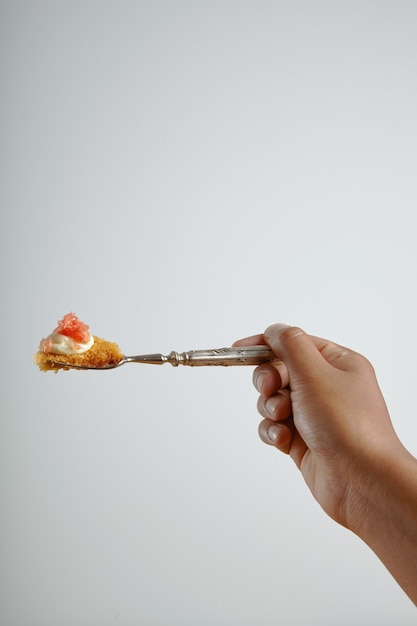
x=377 y=486
x=381 y=509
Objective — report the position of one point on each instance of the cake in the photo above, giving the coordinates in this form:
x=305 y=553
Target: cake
x=72 y=344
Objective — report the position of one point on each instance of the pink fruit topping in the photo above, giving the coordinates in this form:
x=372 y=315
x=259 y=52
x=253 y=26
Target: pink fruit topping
x=71 y=326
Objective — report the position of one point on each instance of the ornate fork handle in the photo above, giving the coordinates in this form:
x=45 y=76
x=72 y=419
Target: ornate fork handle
x=244 y=355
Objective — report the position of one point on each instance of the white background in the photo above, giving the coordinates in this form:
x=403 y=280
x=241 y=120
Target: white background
x=181 y=174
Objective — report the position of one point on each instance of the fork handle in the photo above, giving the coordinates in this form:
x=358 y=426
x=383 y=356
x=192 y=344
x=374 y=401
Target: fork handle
x=244 y=355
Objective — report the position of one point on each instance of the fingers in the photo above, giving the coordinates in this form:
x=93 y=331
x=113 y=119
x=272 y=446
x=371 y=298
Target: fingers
x=303 y=360
x=297 y=351
x=285 y=437
x=279 y=435
x=276 y=407
x=268 y=378
x=274 y=404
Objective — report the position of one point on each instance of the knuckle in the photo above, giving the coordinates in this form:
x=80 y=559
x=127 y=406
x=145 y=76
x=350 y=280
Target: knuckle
x=290 y=333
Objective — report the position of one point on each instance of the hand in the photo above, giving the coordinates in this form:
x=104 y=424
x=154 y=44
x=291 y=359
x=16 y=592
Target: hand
x=322 y=405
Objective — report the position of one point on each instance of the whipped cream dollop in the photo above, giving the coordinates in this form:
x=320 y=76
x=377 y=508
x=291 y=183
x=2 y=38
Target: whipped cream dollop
x=56 y=343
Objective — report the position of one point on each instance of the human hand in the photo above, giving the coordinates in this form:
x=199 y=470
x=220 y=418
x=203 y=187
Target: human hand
x=322 y=405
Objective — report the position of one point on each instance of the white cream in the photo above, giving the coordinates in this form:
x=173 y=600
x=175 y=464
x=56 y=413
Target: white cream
x=61 y=344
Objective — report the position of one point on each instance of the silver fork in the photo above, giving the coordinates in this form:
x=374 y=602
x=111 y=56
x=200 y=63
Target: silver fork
x=242 y=355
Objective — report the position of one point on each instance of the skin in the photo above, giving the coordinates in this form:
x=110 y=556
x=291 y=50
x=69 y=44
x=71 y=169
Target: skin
x=322 y=405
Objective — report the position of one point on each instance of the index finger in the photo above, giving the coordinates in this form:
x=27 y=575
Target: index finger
x=269 y=377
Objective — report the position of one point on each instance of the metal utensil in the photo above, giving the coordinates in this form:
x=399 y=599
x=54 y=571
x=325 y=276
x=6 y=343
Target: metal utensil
x=242 y=355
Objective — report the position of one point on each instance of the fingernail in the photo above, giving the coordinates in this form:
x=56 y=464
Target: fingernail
x=271 y=405
x=272 y=433
x=258 y=380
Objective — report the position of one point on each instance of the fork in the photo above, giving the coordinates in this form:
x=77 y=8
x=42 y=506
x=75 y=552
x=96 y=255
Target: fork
x=242 y=355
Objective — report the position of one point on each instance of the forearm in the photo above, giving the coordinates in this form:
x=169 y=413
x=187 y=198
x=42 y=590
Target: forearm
x=383 y=512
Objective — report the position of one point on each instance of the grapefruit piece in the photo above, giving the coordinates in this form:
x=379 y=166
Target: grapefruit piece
x=71 y=326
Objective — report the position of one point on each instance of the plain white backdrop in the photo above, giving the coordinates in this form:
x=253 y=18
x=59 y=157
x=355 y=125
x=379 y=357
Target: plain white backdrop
x=180 y=174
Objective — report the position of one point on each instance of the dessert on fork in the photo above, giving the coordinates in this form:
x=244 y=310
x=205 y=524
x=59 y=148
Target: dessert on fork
x=71 y=344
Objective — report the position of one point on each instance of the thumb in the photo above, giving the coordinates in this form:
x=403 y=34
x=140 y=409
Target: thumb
x=304 y=354
x=299 y=351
